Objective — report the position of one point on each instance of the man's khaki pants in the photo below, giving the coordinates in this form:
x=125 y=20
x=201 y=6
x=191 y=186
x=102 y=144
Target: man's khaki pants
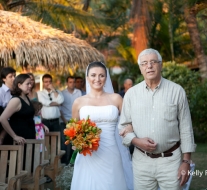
x=151 y=172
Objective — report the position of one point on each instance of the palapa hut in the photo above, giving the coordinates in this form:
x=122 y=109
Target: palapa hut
x=33 y=43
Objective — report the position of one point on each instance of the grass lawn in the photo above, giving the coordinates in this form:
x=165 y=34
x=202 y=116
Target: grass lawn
x=200 y=160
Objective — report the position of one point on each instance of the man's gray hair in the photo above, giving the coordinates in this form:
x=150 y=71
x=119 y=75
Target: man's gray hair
x=149 y=51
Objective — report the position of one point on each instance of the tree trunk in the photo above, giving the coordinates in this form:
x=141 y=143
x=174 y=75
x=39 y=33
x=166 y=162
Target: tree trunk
x=86 y=5
x=190 y=19
x=170 y=25
x=140 y=20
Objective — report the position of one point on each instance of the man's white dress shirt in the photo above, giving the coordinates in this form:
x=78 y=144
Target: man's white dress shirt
x=50 y=112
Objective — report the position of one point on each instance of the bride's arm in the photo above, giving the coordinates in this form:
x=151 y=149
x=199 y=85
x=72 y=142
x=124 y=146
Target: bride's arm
x=116 y=100
x=75 y=109
x=127 y=129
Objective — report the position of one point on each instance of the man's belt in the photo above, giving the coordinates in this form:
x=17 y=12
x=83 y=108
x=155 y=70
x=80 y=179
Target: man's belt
x=55 y=119
x=167 y=153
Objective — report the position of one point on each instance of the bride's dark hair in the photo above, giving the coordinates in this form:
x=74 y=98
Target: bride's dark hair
x=96 y=64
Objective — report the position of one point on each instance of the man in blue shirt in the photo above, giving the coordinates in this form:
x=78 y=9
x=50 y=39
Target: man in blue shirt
x=79 y=84
x=69 y=94
x=8 y=75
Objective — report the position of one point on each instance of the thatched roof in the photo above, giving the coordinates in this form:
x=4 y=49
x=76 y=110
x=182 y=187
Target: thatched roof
x=33 y=43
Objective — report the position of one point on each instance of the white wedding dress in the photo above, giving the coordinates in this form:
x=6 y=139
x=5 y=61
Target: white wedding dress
x=103 y=170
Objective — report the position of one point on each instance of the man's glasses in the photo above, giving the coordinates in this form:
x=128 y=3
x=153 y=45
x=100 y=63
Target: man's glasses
x=152 y=62
x=50 y=96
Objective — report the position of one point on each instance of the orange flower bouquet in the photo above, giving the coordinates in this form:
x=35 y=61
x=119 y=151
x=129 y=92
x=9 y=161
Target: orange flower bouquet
x=83 y=134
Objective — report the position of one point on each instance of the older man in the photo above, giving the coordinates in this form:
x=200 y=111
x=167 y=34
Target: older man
x=162 y=129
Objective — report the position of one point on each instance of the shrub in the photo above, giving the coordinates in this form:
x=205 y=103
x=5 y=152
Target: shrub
x=198 y=108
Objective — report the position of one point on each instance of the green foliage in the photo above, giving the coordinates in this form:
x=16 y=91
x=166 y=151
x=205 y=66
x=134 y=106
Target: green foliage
x=168 y=17
x=198 y=108
x=125 y=57
x=181 y=75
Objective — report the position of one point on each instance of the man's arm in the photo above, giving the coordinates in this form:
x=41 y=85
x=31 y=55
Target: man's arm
x=146 y=143
x=183 y=171
x=185 y=126
x=125 y=119
x=186 y=138
x=62 y=117
x=54 y=104
x=59 y=99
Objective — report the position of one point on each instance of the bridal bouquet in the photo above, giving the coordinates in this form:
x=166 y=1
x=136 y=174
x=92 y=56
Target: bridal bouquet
x=83 y=134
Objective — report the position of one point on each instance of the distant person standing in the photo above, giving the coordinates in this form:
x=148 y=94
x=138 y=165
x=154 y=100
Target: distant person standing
x=69 y=94
x=32 y=94
x=79 y=84
x=128 y=83
x=51 y=99
x=8 y=75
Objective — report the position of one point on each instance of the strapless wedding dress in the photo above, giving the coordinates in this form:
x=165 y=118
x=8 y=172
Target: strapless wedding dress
x=103 y=170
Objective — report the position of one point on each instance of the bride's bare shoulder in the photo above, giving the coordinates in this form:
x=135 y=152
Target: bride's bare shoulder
x=80 y=101
x=115 y=96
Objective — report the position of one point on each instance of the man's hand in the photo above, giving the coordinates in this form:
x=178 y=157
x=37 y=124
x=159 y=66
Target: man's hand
x=50 y=86
x=126 y=130
x=183 y=173
x=145 y=144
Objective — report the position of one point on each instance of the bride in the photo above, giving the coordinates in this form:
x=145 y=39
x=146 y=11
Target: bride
x=109 y=168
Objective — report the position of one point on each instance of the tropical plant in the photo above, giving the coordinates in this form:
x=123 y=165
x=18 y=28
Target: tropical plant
x=198 y=108
x=191 y=9
x=168 y=31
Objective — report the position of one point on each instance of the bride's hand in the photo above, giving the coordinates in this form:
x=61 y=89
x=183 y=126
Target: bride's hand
x=126 y=130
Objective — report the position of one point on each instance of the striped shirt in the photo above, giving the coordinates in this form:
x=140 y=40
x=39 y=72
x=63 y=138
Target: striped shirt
x=162 y=115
